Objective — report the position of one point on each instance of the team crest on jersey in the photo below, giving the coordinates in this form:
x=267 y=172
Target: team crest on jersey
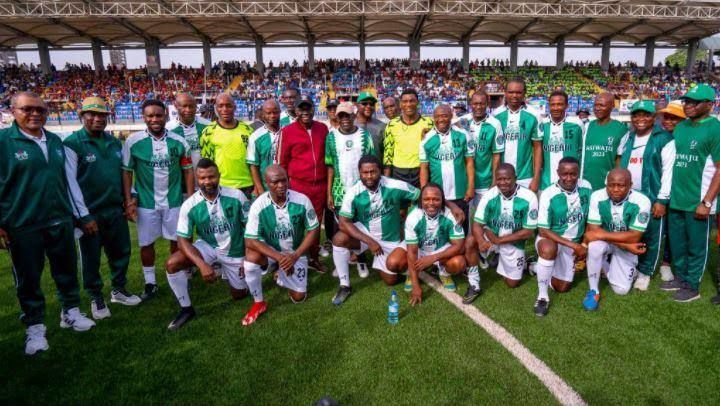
x=311 y=216
x=533 y=214
x=693 y=144
x=348 y=144
x=610 y=140
x=21 y=155
x=643 y=217
x=458 y=228
x=90 y=157
x=246 y=207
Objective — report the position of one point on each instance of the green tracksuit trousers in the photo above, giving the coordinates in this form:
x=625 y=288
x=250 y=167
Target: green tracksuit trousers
x=689 y=241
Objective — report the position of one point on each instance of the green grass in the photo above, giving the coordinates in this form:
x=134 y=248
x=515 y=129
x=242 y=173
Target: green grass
x=642 y=348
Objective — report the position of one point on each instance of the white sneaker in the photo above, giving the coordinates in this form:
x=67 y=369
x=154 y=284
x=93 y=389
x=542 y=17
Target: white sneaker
x=35 y=339
x=324 y=252
x=483 y=262
x=99 y=310
x=363 y=270
x=531 y=268
x=666 y=273
x=124 y=298
x=73 y=318
x=642 y=282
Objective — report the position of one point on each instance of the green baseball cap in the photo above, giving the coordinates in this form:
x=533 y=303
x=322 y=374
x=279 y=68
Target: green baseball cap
x=643 y=105
x=366 y=96
x=700 y=92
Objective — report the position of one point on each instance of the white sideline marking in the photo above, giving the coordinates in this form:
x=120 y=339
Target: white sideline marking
x=555 y=384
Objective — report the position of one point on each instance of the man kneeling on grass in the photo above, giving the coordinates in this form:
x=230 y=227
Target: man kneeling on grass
x=218 y=215
x=433 y=236
x=617 y=219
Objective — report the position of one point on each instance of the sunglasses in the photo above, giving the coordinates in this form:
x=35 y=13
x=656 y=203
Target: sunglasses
x=367 y=103
x=33 y=109
x=691 y=102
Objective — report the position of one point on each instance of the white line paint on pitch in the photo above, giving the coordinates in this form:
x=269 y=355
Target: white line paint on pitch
x=555 y=384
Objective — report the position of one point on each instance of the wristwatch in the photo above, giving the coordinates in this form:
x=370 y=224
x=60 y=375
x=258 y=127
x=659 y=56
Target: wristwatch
x=707 y=204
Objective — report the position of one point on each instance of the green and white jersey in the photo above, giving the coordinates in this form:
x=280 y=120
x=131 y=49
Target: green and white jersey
x=158 y=165
x=220 y=222
x=507 y=215
x=262 y=149
x=281 y=227
x=633 y=213
x=602 y=144
x=432 y=233
x=379 y=210
x=563 y=212
x=697 y=148
x=560 y=140
x=520 y=129
x=342 y=152
x=445 y=155
x=191 y=133
x=286 y=119
x=488 y=138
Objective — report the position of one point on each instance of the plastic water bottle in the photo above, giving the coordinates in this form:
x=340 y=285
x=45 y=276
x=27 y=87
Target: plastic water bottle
x=393 y=309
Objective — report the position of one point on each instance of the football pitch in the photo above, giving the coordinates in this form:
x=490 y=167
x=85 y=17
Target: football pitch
x=638 y=349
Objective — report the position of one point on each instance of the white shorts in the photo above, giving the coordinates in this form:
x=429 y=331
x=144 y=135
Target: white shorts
x=511 y=262
x=380 y=261
x=153 y=224
x=422 y=253
x=228 y=268
x=298 y=280
x=623 y=265
x=564 y=268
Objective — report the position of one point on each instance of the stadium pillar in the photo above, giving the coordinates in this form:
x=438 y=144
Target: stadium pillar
x=649 y=53
x=691 y=55
x=97 y=56
x=709 y=67
x=152 y=56
x=415 y=53
x=259 y=64
x=466 y=55
x=605 y=55
x=560 y=54
x=311 y=54
x=362 y=55
x=44 y=50
x=513 y=55
x=207 y=56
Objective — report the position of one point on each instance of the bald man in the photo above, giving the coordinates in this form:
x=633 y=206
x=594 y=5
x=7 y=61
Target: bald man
x=188 y=125
x=263 y=145
x=617 y=219
x=604 y=143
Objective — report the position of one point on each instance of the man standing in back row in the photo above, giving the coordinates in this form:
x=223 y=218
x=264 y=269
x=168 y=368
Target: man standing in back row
x=367 y=121
x=188 y=125
x=605 y=140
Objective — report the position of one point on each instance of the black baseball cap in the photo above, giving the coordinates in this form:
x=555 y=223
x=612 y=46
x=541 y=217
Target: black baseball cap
x=304 y=100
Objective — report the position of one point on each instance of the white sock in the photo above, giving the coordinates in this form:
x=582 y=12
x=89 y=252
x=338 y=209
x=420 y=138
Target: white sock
x=149 y=273
x=543 y=270
x=253 y=278
x=179 y=284
x=474 y=277
x=594 y=264
x=341 y=259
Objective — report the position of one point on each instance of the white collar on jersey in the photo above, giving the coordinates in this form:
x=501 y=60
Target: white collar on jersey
x=484 y=119
x=442 y=134
x=213 y=201
x=552 y=122
x=622 y=202
x=271 y=131
x=568 y=192
x=287 y=199
x=181 y=124
x=165 y=133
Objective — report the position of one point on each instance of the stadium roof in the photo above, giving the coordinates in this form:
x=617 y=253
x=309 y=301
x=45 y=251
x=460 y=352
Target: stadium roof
x=245 y=23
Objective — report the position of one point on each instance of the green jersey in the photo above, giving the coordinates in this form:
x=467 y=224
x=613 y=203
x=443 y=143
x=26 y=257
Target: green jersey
x=507 y=215
x=520 y=129
x=286 y=119
x=560 y=140
x=191 y=133
x=563 y=212
x=379 y=210
x=445 y=154
x=220 y=222
x=602 y=145
x=281 y=227
x=262 y=150
x=697 y=149
x=158 y=165
x=342 y=153
x=633 y=213
x=432 y=233
x=487 y=136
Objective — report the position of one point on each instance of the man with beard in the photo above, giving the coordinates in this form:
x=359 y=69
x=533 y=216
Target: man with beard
x=650 y=156
x=155 y=163
x=562 y=213
x=188 y=125
x=281 y=229
x=562 y=137
x=617 y=219
x=93 y=162
x=367 y=121
x=263 y=145
x=604 y=142
x=289 y=99
x=217 y=215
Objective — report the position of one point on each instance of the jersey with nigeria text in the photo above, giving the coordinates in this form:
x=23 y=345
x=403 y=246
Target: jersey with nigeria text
x=520 y=129
x=432 y=233
x=342 y=153
x=602 y=145
x=697 y=148
x=488 y=138
x=262 y=150
x=191 y=133
x=563 y=212
x=560 y=140
x=220 y=223
x=158 y=165
x=379 y=210
x=504 y=216
x=445 y=154
x=633 y=213
x=282 y=227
